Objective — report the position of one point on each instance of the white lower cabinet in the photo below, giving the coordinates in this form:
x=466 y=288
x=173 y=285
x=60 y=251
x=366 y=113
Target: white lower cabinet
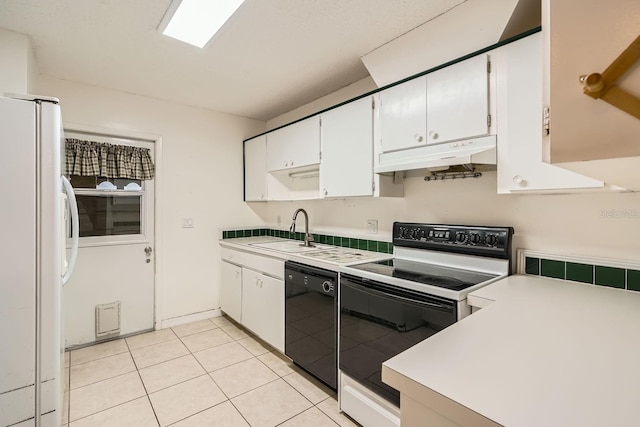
x=263 y=306
x=231 y=291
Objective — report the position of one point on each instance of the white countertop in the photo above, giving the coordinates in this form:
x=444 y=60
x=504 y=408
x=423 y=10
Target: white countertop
x=546 y=353
x=248 y=244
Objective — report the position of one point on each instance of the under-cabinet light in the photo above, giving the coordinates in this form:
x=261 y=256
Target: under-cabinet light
x=304 y=174
x=196 y=21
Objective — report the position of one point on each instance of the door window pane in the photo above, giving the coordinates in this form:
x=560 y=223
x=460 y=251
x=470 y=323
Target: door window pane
x=109 y=215
x=100 y=182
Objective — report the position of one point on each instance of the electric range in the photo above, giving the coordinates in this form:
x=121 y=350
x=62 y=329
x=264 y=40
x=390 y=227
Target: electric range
x=387 y=306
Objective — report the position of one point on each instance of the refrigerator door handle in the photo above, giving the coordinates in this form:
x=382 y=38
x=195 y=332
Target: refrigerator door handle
x=75 y=229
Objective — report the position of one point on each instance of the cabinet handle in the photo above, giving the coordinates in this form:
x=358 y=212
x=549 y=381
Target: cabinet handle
x=520 y=181
x=418 y=137
x=291 y=162
x=433 y=135
x=325 y=192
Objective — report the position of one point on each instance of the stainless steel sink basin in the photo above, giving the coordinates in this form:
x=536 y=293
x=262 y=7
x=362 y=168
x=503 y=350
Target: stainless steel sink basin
x=292 y=246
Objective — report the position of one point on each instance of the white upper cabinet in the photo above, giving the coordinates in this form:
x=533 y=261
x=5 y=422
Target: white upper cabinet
x=347 y=150
x=587 y=135
x=458 y=101
x=403 y=115
x=520 y=123
x=295 y=146
x=445 y=105
x=255 y=169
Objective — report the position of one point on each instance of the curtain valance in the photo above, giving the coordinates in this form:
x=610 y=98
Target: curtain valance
x=90 y=158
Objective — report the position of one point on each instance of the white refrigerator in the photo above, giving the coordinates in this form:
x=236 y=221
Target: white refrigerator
x=33 y=263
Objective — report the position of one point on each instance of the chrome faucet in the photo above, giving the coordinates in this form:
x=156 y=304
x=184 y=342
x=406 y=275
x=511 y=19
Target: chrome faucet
x=308 y=238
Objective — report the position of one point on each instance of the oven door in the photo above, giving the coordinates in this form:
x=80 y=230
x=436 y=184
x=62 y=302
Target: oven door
x=379 y=321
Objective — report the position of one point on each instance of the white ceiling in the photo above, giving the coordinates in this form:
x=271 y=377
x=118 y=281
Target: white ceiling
x=271 y=57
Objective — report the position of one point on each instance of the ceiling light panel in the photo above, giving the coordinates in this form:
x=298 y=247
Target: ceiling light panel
x=196 y=21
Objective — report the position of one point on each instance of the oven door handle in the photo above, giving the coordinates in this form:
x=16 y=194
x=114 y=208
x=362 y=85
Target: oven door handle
x=378 y=292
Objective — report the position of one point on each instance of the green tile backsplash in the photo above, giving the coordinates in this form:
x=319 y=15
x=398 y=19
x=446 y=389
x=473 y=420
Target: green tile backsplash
x=579 y=272
x=601 y=275
x=610 y=276
x=346 y=242
x=552 y=268
x=633 y=280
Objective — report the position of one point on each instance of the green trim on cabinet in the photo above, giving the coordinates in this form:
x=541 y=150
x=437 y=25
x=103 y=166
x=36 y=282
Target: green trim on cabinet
x=406 y=79
x=594 y=274
x=325 y=239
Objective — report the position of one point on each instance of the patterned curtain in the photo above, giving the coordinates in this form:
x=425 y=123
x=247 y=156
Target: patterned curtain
x=90 y=158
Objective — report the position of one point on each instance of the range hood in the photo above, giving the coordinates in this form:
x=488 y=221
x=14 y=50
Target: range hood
x=472 y=153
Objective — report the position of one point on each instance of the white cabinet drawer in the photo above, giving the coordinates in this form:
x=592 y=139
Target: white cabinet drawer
x=264 y=264
x=232 y=256
x=269 y=266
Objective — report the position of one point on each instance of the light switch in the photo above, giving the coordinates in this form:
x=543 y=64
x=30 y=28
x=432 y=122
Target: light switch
x=372 y=226
x=187 y=222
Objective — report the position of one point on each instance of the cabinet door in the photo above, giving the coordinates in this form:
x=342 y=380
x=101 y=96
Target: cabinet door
x=272 y=298
x=590 y=136
x=231 y=291
x=255 y=169
x=403 y=115
x=294 y=146
x=263 y=307
x=519 y=109
x=458 y=101
x=347 y=150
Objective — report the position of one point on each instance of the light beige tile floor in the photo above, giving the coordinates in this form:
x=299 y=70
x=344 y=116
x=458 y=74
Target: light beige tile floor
x=206 y=373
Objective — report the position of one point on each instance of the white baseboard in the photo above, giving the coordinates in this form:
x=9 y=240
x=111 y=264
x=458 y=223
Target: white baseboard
x=181 y=320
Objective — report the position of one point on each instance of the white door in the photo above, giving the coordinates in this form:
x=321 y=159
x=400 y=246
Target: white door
x=519 y=106
x=263 y=306
x=116 y=261
x=347 y=150
x=231 y=290
x=295 y=145
x=458 y=101
x=403 y=115
x=255 y=169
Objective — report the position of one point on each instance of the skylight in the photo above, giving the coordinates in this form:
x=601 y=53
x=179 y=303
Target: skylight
x=196 y=21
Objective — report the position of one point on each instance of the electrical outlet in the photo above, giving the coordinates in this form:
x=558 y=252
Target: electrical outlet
x=187 y=222
x=372 y=226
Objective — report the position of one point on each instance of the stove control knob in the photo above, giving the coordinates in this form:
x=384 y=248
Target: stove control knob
x=461 y=237
x=474 y=238
x=491 y=239
x=404 y=232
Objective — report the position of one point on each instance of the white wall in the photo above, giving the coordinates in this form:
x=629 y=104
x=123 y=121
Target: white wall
x=201 y=178
x=17 y=68
x=602 y=225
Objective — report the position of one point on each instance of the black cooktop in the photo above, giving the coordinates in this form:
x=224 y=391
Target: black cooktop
x=428 y=274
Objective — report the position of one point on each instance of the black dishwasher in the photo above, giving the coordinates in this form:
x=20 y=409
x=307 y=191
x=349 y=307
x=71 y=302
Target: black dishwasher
x=311 y=333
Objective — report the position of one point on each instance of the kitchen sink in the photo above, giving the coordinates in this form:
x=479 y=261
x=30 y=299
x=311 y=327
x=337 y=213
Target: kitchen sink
x=292 y=246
